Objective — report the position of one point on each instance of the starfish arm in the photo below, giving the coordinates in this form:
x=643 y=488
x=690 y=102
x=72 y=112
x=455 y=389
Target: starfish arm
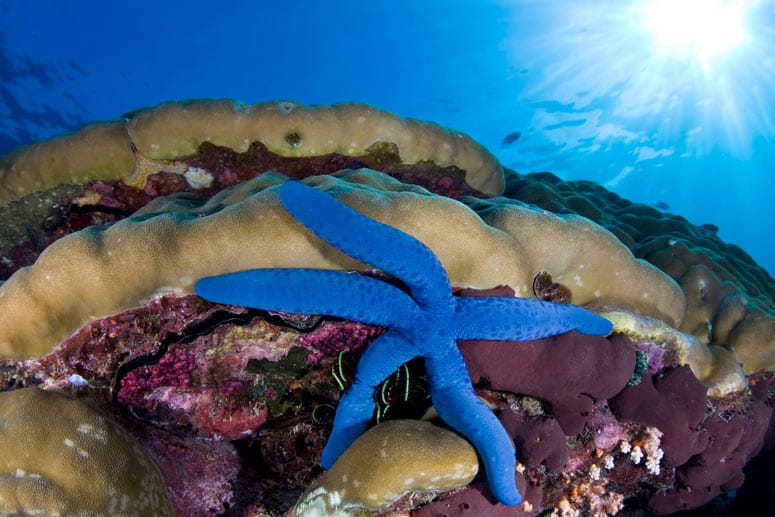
x=460 y=407
x=370 y=241
x=381 y=358
x=521 y=319
x=312 y=291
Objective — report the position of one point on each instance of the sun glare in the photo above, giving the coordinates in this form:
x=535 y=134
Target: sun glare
x=702 y=29
x=669 y=77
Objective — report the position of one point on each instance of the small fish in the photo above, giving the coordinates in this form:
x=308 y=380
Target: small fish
x=511 y=138
x=662 y=205
x=712 y=228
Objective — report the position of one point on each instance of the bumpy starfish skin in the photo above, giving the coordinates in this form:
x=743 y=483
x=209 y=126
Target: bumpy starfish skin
x=425 y=323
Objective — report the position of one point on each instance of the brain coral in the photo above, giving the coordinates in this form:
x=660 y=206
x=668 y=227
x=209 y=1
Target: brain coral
x=59 y=456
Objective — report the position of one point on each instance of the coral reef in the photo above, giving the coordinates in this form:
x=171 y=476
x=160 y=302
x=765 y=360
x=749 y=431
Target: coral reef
x=60 y=456
x=235 y=405
x=729 y=298
x=203 y=477
x=717 y=367
x=171 y=242
x=147 y=141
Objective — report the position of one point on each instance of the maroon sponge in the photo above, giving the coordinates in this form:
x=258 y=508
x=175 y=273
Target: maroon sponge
x=719 y=466
x=475 y=500
x=569 y=371
x=538 y=439
x=674 y=404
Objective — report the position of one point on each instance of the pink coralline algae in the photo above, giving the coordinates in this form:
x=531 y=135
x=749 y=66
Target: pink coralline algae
x=330 y=339
x=655 y=355
x=170 y=388
x=174 y=370
x=102 y=348
x=607 y=432
x=203 y=477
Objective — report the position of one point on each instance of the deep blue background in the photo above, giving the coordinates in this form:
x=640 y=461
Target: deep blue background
x=581 y=80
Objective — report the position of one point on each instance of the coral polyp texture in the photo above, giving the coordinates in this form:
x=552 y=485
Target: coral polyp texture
x=413 y=456
x=105 y=232
x=60 y=456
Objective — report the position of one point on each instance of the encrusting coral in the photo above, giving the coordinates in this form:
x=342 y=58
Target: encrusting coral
x=105 y=232
x=728 y=297
x=59 y=456
x=716 y=366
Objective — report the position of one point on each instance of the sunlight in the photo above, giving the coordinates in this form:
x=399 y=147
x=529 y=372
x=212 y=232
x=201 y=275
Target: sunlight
x=611 y=74
x=703 y=29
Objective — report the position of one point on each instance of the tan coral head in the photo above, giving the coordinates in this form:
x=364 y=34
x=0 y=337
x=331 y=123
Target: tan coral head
x=59 y=456
x=389 y=460
x=176 y=129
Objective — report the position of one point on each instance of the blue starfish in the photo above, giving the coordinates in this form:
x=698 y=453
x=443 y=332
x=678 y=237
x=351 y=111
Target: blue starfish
x=425 y=323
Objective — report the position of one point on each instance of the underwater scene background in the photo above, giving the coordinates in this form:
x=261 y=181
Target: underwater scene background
x=428 y=258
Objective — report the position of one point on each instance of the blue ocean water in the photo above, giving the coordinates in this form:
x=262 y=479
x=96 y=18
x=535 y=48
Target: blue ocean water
x=622 y=93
